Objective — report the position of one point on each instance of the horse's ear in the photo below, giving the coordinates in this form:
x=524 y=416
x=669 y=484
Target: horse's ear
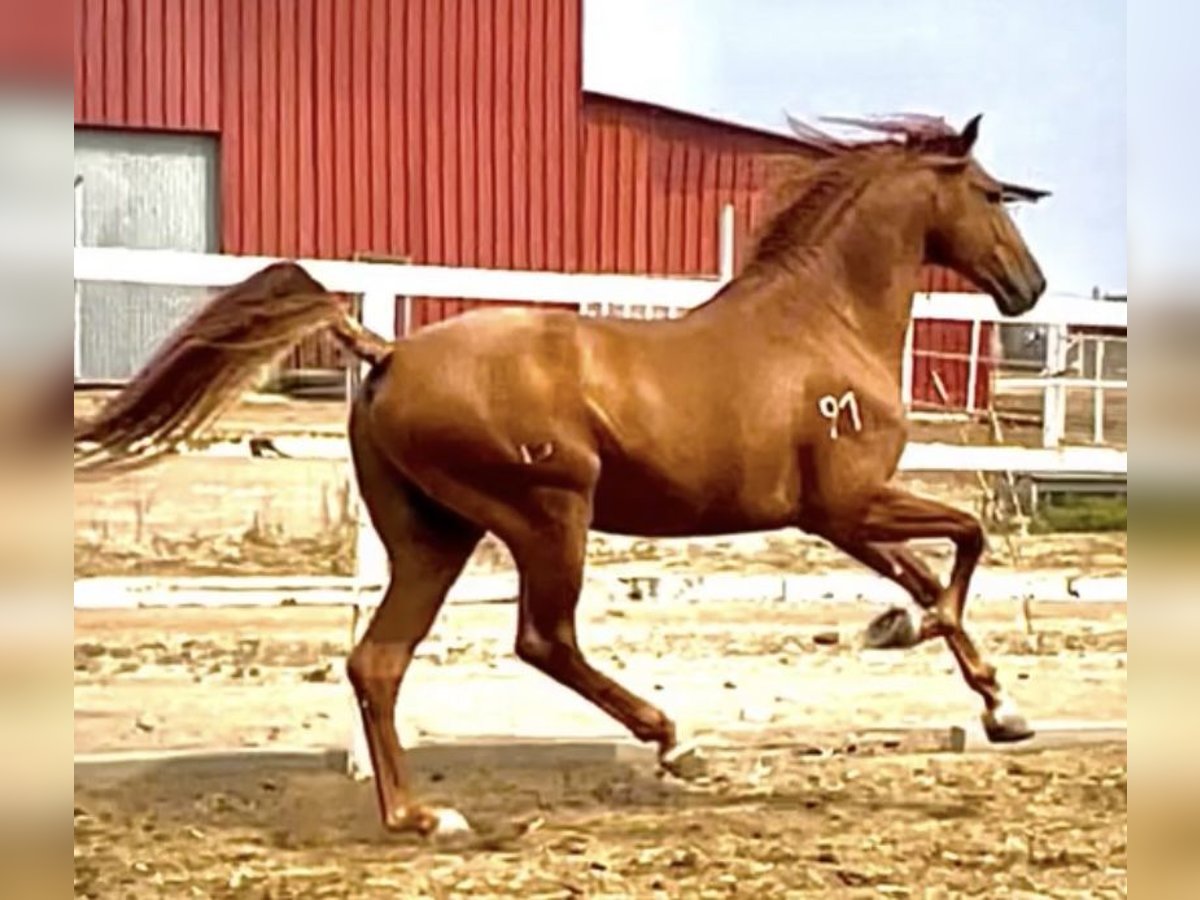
x=970 y=134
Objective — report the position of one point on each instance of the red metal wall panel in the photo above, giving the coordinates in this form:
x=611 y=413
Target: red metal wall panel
x=944 y=349
x=654 y=182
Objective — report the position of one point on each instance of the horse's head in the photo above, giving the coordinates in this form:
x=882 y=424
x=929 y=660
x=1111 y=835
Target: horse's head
x=972 y=232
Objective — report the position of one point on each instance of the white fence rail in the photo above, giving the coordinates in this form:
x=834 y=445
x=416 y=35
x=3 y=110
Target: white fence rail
x=169 y=267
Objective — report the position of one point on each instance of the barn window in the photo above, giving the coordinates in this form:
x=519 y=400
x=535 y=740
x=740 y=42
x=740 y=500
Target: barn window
x=143 y=190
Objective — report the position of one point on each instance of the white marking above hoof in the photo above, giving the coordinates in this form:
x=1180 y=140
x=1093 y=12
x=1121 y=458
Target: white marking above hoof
x=1004 y=724
x=449 y=822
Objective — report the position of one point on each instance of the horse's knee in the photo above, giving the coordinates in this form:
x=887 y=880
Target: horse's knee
x=375 y=670
x=537 y=650
x=971 y=539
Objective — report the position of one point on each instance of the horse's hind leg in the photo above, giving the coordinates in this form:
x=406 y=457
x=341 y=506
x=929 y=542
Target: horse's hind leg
x=549 y=549
x=896 y=515
x=428 y=548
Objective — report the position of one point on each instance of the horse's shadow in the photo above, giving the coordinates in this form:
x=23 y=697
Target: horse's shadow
x=507 y=807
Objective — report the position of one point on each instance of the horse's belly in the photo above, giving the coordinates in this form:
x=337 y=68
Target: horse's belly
x=646 y=502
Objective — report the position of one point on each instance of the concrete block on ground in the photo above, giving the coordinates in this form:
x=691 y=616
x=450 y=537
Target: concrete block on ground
x=99 y=769
x=528 y=753
x=1048 y=735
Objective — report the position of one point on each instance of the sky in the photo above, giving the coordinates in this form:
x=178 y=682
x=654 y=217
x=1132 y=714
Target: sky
x=1049 y=78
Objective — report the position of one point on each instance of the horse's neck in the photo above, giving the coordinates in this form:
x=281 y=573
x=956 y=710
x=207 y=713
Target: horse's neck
x=857 y=291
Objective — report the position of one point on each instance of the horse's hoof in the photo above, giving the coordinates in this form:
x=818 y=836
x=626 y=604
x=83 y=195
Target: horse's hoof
x=1005 y=725
x=428 y=822
x=684 y=761
x=891 y=630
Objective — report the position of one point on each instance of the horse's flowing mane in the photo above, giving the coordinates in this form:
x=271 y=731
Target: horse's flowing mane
x=812 y=189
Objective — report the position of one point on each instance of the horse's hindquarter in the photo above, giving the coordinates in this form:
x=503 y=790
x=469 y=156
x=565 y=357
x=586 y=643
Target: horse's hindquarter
x=493 y=398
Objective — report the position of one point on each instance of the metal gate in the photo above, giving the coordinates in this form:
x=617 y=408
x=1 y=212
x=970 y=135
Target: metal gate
x=149 y=191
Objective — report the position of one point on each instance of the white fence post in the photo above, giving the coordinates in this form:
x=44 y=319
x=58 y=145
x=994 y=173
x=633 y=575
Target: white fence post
x=1098 y=394
x=78 y=298
x=726 y=237
x=1054 y=400
x=407 y=315
x=907 y=364
x=973 y=364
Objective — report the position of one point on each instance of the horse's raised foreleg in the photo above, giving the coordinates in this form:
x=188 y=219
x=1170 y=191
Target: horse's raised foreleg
x=894 y=516
x=549 y=552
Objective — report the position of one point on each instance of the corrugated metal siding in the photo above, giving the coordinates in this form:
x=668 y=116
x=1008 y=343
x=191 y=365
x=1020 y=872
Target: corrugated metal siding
x=654 y=183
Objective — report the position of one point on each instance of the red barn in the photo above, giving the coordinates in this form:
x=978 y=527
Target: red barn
x=438 y=131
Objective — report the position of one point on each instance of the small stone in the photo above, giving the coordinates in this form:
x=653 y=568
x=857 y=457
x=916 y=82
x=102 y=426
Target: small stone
x=826 y=638
x=729 y=685
x=756 y=714
x=1016 y=848
x=318 y=675
x=685 y=859
x=145 y=723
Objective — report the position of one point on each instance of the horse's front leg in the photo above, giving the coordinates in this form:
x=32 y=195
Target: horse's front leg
x=894 y=516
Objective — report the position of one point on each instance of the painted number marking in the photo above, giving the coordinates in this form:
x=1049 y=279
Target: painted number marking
x=831 y=408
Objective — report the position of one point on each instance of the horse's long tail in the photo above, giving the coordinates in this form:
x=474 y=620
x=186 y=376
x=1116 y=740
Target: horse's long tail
x=209 y=361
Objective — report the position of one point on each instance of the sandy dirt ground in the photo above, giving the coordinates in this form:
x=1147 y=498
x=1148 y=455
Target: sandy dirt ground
x=766 y=823
x=771 y=825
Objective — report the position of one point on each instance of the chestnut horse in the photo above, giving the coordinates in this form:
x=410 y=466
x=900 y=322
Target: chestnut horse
x=775 y=404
